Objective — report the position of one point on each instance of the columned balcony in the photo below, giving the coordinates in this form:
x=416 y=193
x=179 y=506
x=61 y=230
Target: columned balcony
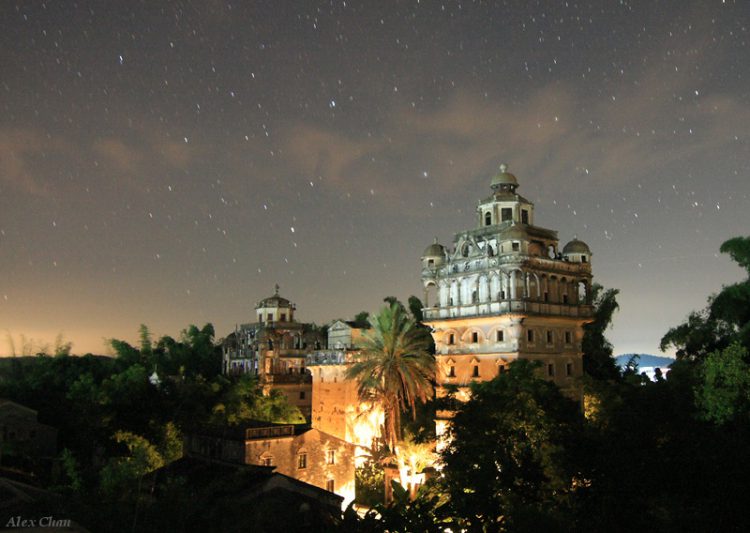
x=507 y=307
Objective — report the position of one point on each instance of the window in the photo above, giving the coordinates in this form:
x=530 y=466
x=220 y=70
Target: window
x=530 y=335
x=567 y=337
x=451 y=371
x=329 y=485
x=301 y=395
x=474 y=337
x=283 y=317
x=506 y=213
x=500 y=336
x=451 y=339
x=551 y=370
x=568 y=369
x=516 y=246
x=430 y=262
x=474 y=297
x=524 y=216
x=267 y=461
x=260 y=317
x=488 y=219
x=302 y=461
x=550 y=338
x=501 y=369
x=502 y=295
x=331 y=457
x=565 y=298
x=546 y=296
x=583 y=259
x=269 y=317
x=475 y=371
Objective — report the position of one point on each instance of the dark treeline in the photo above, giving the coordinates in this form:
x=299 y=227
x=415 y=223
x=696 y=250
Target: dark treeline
x=120 y=418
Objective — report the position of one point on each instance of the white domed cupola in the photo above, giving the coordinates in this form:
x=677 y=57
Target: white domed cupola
x=275 y=308
x=504 y=180
x=434 y=255
x=577 y=252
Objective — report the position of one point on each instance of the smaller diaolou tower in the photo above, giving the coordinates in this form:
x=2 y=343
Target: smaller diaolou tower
x=504 y=291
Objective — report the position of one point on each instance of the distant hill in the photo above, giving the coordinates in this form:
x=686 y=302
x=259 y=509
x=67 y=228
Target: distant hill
x=645 y=360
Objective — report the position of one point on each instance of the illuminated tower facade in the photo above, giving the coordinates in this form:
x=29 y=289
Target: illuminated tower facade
x=274 y=348
x=504 y=291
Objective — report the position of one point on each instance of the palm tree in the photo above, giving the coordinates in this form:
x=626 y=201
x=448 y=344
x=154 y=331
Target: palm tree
x=395 y=369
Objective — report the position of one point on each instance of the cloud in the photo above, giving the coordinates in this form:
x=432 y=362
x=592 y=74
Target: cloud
x=23 y=154
x=559 y=135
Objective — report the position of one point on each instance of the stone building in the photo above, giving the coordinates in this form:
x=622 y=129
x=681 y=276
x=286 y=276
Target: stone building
x=336 y=406
x=505 y=291
x=274 y=348
x=303 y=453
x=22 y=434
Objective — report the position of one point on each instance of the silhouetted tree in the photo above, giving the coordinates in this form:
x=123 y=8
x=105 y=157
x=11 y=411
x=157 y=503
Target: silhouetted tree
x=597 y=350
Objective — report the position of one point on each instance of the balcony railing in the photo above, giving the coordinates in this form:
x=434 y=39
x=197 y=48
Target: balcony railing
x=330 y=357
x=509 y=306
x=269 y=432
x=287 y=378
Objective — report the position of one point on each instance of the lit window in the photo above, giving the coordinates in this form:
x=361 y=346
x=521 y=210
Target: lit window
x=331 y=457
x=500 y=336
x=302 y=461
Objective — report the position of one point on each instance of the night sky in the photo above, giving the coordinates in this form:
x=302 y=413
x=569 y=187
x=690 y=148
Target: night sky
x=167 y=163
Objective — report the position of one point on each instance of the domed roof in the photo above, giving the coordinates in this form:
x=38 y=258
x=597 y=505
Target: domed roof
x=576 y=247
x=434 y=250
x=503 y=177
x=274 y=301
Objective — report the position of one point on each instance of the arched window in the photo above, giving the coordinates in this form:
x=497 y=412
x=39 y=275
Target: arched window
x=488 y=219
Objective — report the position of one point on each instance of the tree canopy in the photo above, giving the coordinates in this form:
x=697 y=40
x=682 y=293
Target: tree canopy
x=725 y=319
x=395 y=368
